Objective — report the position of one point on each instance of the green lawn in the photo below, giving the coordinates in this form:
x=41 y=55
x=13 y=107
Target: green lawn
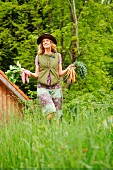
x=81 y=140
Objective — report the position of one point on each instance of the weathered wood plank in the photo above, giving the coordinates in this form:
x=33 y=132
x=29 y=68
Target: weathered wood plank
x=12 y=88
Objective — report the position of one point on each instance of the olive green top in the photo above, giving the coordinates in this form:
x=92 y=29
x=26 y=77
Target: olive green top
x=48 y=65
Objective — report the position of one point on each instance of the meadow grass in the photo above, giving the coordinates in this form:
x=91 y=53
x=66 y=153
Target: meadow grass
x=79 y=141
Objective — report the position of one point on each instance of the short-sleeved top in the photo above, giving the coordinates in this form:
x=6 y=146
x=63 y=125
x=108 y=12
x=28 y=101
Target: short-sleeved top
x=48 y=78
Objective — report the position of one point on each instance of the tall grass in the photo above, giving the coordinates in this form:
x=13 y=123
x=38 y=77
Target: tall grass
x=79 y=141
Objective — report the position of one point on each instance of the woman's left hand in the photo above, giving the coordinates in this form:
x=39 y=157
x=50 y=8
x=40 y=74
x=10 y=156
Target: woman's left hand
x=70 y=66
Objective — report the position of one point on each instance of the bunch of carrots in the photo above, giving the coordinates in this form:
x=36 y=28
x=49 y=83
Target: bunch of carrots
x=71 y=74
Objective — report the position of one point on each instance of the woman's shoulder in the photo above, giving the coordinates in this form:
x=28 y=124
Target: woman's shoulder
x=58 y=54
x=59 y=57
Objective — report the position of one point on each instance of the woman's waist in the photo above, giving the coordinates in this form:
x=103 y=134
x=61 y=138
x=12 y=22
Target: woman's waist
x=56 y=86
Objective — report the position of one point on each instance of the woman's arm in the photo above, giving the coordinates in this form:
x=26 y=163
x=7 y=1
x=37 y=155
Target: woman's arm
x=35 y=75
x=63 y=72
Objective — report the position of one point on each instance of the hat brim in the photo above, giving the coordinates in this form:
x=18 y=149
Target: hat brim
x=48 y=36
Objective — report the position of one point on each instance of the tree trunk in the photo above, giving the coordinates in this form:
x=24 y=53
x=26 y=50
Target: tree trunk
x=74 y=30
x=62 y=38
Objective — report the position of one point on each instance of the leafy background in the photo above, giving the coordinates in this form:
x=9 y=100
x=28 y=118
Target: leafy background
x=21 y=22
x=84 y=31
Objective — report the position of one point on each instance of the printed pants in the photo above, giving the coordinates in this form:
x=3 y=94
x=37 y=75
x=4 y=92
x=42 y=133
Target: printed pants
x=50 y=100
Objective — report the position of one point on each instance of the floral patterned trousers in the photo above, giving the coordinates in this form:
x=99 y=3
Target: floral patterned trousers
x=50 y=99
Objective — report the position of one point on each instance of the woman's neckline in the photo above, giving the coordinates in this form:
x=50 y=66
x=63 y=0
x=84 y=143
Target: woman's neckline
x=48 y=53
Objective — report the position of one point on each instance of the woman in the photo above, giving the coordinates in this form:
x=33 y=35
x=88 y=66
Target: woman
x=48 y=72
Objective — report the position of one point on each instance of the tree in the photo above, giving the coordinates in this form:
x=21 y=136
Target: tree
x=83 y=30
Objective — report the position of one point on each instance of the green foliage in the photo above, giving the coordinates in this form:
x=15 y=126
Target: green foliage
x=32 y=142
x=81 y=69
x=76 y=142
x=76 y=99
x=21 y=22
x=14 y=72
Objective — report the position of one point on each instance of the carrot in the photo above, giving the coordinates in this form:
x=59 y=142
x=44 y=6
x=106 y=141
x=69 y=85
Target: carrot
x=71 y=74
x=23 y=77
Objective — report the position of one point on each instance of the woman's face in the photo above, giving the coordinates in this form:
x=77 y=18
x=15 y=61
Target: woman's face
x=46 y=43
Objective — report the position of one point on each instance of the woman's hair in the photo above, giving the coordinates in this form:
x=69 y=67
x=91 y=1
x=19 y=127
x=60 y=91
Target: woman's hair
x=41 y=48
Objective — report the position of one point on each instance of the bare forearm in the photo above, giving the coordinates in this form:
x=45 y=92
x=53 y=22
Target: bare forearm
x=63 y=72
x=34 y=75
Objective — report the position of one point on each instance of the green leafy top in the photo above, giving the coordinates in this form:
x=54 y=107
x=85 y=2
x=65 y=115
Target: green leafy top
x=81 y=69
x=14 y=72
